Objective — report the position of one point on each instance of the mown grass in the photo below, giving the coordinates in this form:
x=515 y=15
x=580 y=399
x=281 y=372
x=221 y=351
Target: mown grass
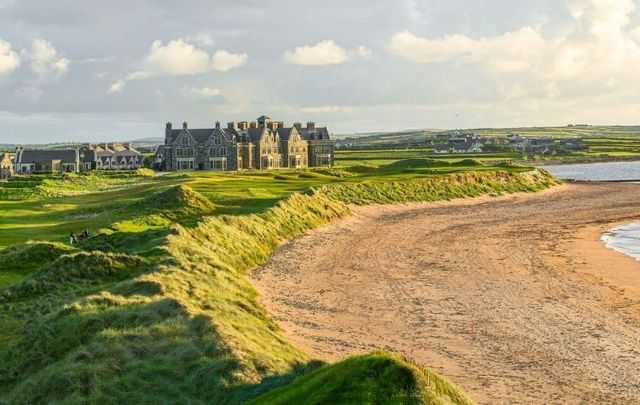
x=156 y=307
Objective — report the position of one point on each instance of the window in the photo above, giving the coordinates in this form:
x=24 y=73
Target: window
x=216 y=140
x=223 y=151
x=185 y=141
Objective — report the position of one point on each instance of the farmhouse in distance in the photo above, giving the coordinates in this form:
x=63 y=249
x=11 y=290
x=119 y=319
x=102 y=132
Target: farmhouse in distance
x=260 y=144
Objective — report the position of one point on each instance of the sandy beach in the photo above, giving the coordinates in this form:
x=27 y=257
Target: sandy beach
x=514 y=298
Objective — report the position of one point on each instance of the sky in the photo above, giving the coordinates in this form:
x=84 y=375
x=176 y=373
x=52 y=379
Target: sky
x=89 y=70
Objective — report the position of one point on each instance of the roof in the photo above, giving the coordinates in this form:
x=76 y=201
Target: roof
x=200 y=135
x=160 y=150
x=467 y=145
x=88 y=155
x=46 y=156
x=285 y=133
x=318 y=133
x=256 y=134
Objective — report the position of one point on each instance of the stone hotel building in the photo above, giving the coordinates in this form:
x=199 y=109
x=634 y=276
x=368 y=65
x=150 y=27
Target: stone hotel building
x=260 y=144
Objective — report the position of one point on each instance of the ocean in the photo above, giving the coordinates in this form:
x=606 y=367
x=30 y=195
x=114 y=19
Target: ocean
x=624 y=239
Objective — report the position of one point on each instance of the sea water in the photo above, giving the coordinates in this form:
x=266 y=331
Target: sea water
x=608 y=171
x=624 y=239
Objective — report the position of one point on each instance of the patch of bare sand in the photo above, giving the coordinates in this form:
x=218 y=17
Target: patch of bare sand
x=514 y=298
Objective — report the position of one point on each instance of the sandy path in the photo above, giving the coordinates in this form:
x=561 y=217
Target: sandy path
x=513 y=298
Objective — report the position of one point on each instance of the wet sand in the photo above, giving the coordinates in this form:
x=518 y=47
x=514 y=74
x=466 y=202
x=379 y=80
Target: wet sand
x=514 y=298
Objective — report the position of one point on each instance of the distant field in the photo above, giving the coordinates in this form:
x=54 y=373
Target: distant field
x=603 y=142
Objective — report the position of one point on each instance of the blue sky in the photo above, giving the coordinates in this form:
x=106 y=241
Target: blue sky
x=95 y=70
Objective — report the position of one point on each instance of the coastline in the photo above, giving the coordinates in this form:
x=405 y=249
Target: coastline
x=511 y=297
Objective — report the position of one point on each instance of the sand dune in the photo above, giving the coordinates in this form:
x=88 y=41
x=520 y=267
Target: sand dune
x=514 y=298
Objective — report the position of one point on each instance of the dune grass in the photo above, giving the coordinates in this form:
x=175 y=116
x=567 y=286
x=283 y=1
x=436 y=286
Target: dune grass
x=375 y=378
x=157 y=305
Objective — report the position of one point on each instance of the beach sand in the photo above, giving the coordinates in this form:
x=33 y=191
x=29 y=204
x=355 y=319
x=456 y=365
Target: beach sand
x=514 y=298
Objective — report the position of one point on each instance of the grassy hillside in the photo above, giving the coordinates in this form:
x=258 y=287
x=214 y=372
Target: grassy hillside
x=380 y=378
x=157 y=303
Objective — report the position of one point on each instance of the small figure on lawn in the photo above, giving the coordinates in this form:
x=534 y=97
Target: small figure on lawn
x=72 y=238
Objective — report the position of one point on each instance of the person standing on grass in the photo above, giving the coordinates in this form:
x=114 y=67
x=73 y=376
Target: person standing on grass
x=71 y=238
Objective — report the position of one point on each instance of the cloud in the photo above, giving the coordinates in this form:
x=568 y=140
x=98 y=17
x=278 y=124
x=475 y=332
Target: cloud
x=180 y=58
x=202 y=91
x=223 y=60
x=364 y=52
x=202 y=38
x=176 y=58
x=323 y=53
x=513 y=51
x=598 y=54
x=9 y=59
x=45 y=62
x=116 y=87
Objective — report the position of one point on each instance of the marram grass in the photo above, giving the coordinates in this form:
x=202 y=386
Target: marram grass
x=185 y=325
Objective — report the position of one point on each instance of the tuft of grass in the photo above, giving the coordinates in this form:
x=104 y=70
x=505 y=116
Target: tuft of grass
x=376 y=378
x=178 y=201
x=21 y=260
x=458 y=185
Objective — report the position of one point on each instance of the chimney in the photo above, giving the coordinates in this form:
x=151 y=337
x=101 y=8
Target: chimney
x=167 y=128
x=297 y=125
x=217 y=124
x=232 y=125
x=280 y=124
x=243 y=125
x=311 y=125
x=184 y=125
x=253 y=124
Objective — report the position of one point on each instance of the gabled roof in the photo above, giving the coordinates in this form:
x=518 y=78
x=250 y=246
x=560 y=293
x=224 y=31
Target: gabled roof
x=46 y=156
x=256 y=134
x=160 y=150
x=285 y=133
x=318 y=133
x=88 y=155
x=200 y=135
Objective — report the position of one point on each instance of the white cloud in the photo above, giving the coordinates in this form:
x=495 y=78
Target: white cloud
x=207 y=92
x=202 y=38
x=323 y=53
x=138 y=75
x=582 y=60
x=513 y=51
x=223 y=60
x=180 y=58
x=176 y=58
x=9 y=59
x=116 y=87
x=45 y=61
x=364 y=52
